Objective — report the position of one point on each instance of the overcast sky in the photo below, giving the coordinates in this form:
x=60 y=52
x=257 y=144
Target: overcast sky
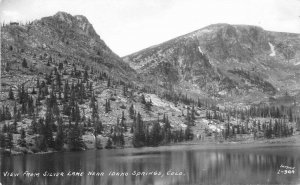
x=131 y=25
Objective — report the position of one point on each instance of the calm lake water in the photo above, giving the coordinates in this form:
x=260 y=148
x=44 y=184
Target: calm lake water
x=173 y=165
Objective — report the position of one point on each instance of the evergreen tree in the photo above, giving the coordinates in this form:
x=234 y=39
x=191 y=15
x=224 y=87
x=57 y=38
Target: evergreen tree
x=34 y=126
x=155 y=137
x=22 y=141
x=7 y=113
x=5 y=128
x=181 y=136
x=193 y=112
x=122 y=140
x=59 y=139
x=38 y=83
x=108 y=82
x=143 y=100
x=2 y=140
x=148 y=105
x=11 y=94
x=208 y=116
x=124 y=90
x=139 y=134
x=42 y=145
x=108 y=144
x=107 y=106
x=147 y=136
x=114 y=138
x=98 y=143
x=131 y=111
x=60 y=66
x=58 y=80
x=167 y=135
x=49 y=121
x=167 y=122
x=75 y=140
x=66 y=91
x=9 y=141
x=131 y=129
x=85 y=76
x=24 y=63
x=33 y=91
x=14 y=127
x=188 y=118
x=188 y=135
x=98 y=128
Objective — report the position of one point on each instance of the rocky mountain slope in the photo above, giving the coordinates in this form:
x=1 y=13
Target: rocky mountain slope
x=58 y=38
x=224 y=61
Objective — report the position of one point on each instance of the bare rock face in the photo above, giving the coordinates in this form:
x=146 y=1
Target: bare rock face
x=224 y=60
x=77 y=21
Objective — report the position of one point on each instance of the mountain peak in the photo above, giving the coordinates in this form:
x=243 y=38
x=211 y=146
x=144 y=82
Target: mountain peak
x=73 y=22
x=225 y=26
x=63 y=15
x=217 y=25
x=221 y=25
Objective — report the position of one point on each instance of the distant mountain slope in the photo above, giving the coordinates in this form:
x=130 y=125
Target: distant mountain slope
x=224 y=60
x=61 y=36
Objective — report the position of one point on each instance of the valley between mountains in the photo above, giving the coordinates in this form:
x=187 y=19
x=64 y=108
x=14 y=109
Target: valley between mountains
x=64 y=89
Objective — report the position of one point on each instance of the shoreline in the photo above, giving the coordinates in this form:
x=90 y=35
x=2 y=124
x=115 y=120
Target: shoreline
x=288 y=141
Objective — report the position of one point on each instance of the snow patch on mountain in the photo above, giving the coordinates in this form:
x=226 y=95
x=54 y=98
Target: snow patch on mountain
x=200 y=50
x=273 y=53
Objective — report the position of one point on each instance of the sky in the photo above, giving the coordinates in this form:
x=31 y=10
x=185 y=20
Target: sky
x=128 y=26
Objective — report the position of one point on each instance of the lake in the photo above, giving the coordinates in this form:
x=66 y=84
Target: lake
x=194 y=164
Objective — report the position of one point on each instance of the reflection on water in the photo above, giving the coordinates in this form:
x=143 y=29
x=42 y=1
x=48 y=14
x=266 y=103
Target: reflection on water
x=254 y=165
